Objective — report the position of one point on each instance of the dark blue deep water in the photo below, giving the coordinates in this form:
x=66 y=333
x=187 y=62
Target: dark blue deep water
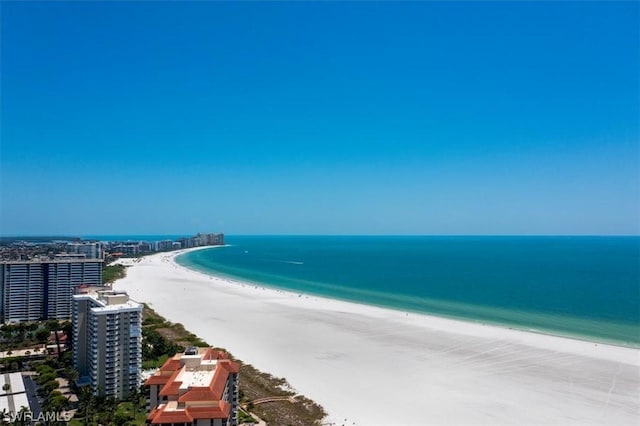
x=586 y=287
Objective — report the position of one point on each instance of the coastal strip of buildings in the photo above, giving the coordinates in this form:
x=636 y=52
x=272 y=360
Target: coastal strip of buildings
x=142 y=247
x=38 y=280
x=64 y=282
x=19 y=249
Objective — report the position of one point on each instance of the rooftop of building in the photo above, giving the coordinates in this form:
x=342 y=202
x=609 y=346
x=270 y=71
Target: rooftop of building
x=194 y=383
x=15 y=397
x=198 y=375
x=110 y=301
x=170 y=412
x=128 y=305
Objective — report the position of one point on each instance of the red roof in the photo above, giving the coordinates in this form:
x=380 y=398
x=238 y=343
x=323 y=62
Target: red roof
x=221 y=411
x=171 y=364
x=62 y=337
x=173 y=386
x=165 y=373
x=197 y=394
x=210 y=395
x=211 y=354
x=219 y=381
x=162 y=416
x=157 y=379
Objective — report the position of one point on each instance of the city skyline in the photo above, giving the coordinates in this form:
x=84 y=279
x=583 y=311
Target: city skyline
x=453 y=118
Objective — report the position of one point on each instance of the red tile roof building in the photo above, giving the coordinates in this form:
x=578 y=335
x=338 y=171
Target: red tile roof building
x=196 y=388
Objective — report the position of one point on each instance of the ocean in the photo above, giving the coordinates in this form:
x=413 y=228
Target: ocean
x=581 y=287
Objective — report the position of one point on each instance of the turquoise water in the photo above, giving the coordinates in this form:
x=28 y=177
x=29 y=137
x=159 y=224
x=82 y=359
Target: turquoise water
x=586 y=287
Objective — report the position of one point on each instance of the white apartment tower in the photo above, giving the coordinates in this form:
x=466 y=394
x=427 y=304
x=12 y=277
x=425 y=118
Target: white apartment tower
x=36 y=290
x=107 y=342
x=22 y=286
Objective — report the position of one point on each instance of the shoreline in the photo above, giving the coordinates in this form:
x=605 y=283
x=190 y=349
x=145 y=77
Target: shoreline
x=303 y=337
x=390 y=310
x=504 y=325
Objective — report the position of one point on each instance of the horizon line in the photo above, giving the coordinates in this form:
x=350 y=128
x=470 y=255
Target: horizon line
x=52 y=236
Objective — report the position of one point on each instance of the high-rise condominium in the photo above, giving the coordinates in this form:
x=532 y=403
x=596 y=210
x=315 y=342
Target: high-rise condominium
x=107 y=342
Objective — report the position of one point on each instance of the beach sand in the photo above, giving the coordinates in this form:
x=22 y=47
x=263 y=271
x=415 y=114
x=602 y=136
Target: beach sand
x=372 y=366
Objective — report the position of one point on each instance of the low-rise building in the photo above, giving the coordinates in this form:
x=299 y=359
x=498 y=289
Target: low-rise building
x=198 y=387
x=13 y=396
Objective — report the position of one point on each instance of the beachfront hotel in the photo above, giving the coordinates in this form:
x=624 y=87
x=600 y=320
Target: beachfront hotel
x=34 y=290
x=198 y=387
x=107 y=342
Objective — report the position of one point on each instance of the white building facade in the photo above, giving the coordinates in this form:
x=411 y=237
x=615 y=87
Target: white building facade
x=42 y=289
x=107 y=342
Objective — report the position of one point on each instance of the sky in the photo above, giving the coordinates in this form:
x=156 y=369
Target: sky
x=455 y=118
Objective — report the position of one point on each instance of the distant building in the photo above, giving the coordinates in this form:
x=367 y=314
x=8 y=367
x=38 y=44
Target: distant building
x=164 y=245
x=215 y=239
x=127 y=248
x=90 y=250
x=42 y=289
x=198 y=387
x=202 y=239
x=107 y=342
x=145 y=247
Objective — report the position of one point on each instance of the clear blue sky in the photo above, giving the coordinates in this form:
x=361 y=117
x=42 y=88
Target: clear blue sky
x=320 y=118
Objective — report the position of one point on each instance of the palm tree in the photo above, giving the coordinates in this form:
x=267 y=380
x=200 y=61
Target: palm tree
x=21 y=329
x=106 y=407
x=134 y=397
x=86 y=402
x=7 y=332
x=72 y=376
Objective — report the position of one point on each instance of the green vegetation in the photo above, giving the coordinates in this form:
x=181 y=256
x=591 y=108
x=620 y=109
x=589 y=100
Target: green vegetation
x=244 y=417
x=155 y=348
x=54 y=400
x=106 y=411
x=30 y=336
x=153 y=324
x=158 y=339
x=154 y=363
x=113 y=273
x=25 y=335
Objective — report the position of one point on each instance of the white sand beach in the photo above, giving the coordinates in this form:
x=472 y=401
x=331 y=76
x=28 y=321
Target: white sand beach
x=374 y=366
